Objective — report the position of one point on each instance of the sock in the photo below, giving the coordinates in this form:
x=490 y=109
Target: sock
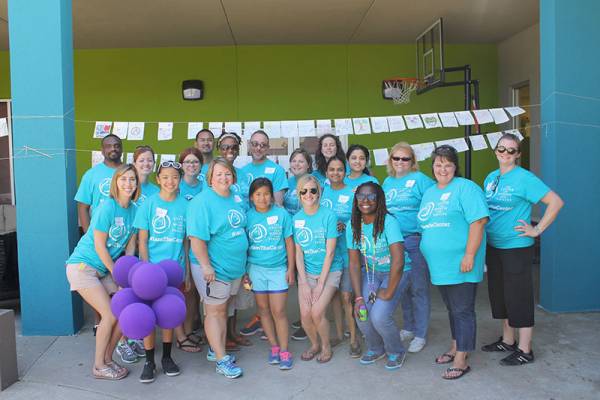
x=167 y=350
x=150 y=356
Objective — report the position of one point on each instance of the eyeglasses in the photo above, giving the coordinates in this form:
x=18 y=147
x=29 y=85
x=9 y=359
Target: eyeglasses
x=227 y=147
x=311 y=190
x=366 y=196
x=170 y=164
x=193 y=162
x=259 y=145
x=509 y=150
x=405 y=159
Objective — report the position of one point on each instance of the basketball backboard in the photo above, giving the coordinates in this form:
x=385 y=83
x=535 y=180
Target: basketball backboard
x=430 y=55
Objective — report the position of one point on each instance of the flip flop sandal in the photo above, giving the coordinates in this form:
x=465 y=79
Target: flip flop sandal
x=445 y=358
x=462 y=372
x=323 y=360
x=308 y=355
x=188 y=345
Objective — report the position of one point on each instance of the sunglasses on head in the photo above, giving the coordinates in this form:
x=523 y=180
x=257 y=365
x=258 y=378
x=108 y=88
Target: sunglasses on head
x=509 y=150
x=227 y=147
x=401 y=158
x=311 y=190
x=170 y=164
x=366 y=196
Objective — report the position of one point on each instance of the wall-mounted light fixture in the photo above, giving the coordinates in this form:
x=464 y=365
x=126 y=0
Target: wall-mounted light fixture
x=192 y=89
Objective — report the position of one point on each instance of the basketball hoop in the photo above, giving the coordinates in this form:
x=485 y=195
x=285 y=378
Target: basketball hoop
x=399 y=89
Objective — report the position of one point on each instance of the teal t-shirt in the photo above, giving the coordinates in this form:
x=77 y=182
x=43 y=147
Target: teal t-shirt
x=353 y=183
x=109 y=218
x=323 y=180
x=291 y=202
x=165 y=223
x=340 y=202
x=444 y=217
x=220 y=222
x=94 y=187
x=268 y=169
x=509 y=198
x=189 y=192
x=311 y=233
x=403 y=198
x=266 y=235
x=202 y=175
x=148 y=189
x=378 y=253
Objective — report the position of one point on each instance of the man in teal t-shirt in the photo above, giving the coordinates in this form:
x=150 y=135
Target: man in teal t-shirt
x=205 y=142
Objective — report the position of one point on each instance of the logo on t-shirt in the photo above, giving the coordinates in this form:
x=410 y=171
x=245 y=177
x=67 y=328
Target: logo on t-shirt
x=304 y=235
x=104 y=187
x=425 y=211
x=249 y=178
x=258 y=233
x=116 y=232
x=391 y=195
x=445 y=196
x=161 y=221
x=410 y=183
x=235 y=218
x=327 y=203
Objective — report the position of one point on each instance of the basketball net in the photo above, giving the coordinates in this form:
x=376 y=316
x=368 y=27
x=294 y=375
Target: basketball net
x=400 y=89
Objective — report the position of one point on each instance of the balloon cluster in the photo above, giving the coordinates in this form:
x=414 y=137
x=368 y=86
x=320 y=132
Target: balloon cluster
x=149 y=296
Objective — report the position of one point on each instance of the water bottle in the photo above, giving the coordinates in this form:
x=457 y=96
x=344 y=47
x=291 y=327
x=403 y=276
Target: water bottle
x=362 y=312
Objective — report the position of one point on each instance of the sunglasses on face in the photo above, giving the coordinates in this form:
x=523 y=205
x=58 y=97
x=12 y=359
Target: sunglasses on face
x=405 y=159
x=509 y=150
x=227 y=147
x=259 y=145
x=366 y=196
x=170 y=164
x=311 y=190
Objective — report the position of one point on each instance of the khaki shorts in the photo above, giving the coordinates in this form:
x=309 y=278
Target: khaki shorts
x=333 y=279
x=218 y=291
x=82 y=276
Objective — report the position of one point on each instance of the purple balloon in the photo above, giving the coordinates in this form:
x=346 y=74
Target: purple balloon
x=174 y=272
x=174 y=291
x=122 y=299
x=149 y=281
x=133 y=268
x=137 y=321
x=121 y=269
x=169 y=310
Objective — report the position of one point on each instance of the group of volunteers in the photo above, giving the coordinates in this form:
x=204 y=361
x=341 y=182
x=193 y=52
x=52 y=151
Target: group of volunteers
x=354 y=247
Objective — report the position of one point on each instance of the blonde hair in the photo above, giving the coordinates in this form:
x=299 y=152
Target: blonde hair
x=223 y=162
x=114 y=190
x=303 y=180
x=406 y=147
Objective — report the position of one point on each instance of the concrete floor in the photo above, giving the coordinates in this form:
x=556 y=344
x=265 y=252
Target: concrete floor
x=567 y=349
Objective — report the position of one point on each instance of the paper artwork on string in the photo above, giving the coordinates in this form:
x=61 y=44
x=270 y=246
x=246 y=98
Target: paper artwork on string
x=167 y=157
x=273 y=129
x=129 y=158
x=448 y=120
x=379 y=124
x=97 y=157
x=234 y=127
x=464 y=118
x=478 y=142
x=515 y=132
x=361 y=126
x=306 y=128
x=324 y=127
x=101 y=129
x=120 y=129
x=493 y=138
x=343 y=127
x=413 y=121
x=499 y=115
x=396 y=123
x=289 y=129
x=216 y=128
x=514 y=111
x=165 y=131
x=423 y=150
x=381 y=156
x=252 y=126
x=193 y=128
x=431 y=121
x=135 y=131
x=459 y=144
x=483 y=116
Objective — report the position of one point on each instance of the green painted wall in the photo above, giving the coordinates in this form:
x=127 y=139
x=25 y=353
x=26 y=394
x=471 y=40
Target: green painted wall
x=263 y=83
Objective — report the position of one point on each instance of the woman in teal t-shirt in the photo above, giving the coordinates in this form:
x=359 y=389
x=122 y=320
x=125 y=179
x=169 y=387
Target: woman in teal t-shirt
x=510 y=192
x=329 y=146
x=90 y=266
x=319 y=267
x=143 y=160
x=452 y=216
x=358 y=160
x=300 y=164
x=375 y=240
x=191 y=161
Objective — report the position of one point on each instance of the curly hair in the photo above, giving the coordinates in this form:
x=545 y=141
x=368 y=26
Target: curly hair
x=320 y=159
x=380 y=213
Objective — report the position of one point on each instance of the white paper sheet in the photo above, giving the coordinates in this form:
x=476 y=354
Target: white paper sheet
x=460 y=144
x=514 y=111
x=431 y=121
x=306 y=128
x=289 y=129
x=423 y=150
x=396 y=123
x=483 y=116
x=478 y=142
x=361 y=126
x=413 y=121
x=4 y=127
x=284 y=162
x=448 y=120
x=379 y=124
x=167 y=157
x=380 y=156
x=515 y=132
x=493 y=138
x=216 y=128
x=101 y=129
x=252 y=126
x=273 y=129
x=464 y=118
x=343 y=126
x=135 y=131
x=234 y=127
x=324 y=126
x=499 y=115
x=120 y=129
x=97 y=157
x=129 y=158
x=165 y=131
x=193 y=128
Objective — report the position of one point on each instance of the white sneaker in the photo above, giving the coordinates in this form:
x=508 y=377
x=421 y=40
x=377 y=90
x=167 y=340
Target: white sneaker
x=406 y=335
x=416 y=345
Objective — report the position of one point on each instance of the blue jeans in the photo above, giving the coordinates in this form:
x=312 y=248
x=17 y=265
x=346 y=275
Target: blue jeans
x=460 y=302
x=380 y=329
x=416 y=305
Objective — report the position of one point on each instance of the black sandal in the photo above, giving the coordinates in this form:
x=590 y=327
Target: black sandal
x=462 y=372
x=188 y=345
x=448 y=358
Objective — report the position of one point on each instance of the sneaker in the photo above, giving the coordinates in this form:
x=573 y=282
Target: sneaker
x=148 y=372
x=299 y=334
x=347 y=334
x=226 y=367
x=406 y=335
x=285 y=360
x=138 y=347
x=251 y=327
x=169 y=367
x=499 y=345
x=126 y=353
x=296 y=324
x=274 y=355
x=517 y=357
x=394 y=361
x=211 y=356
x=370 y=357
x=416 y=345
x=263 y=336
